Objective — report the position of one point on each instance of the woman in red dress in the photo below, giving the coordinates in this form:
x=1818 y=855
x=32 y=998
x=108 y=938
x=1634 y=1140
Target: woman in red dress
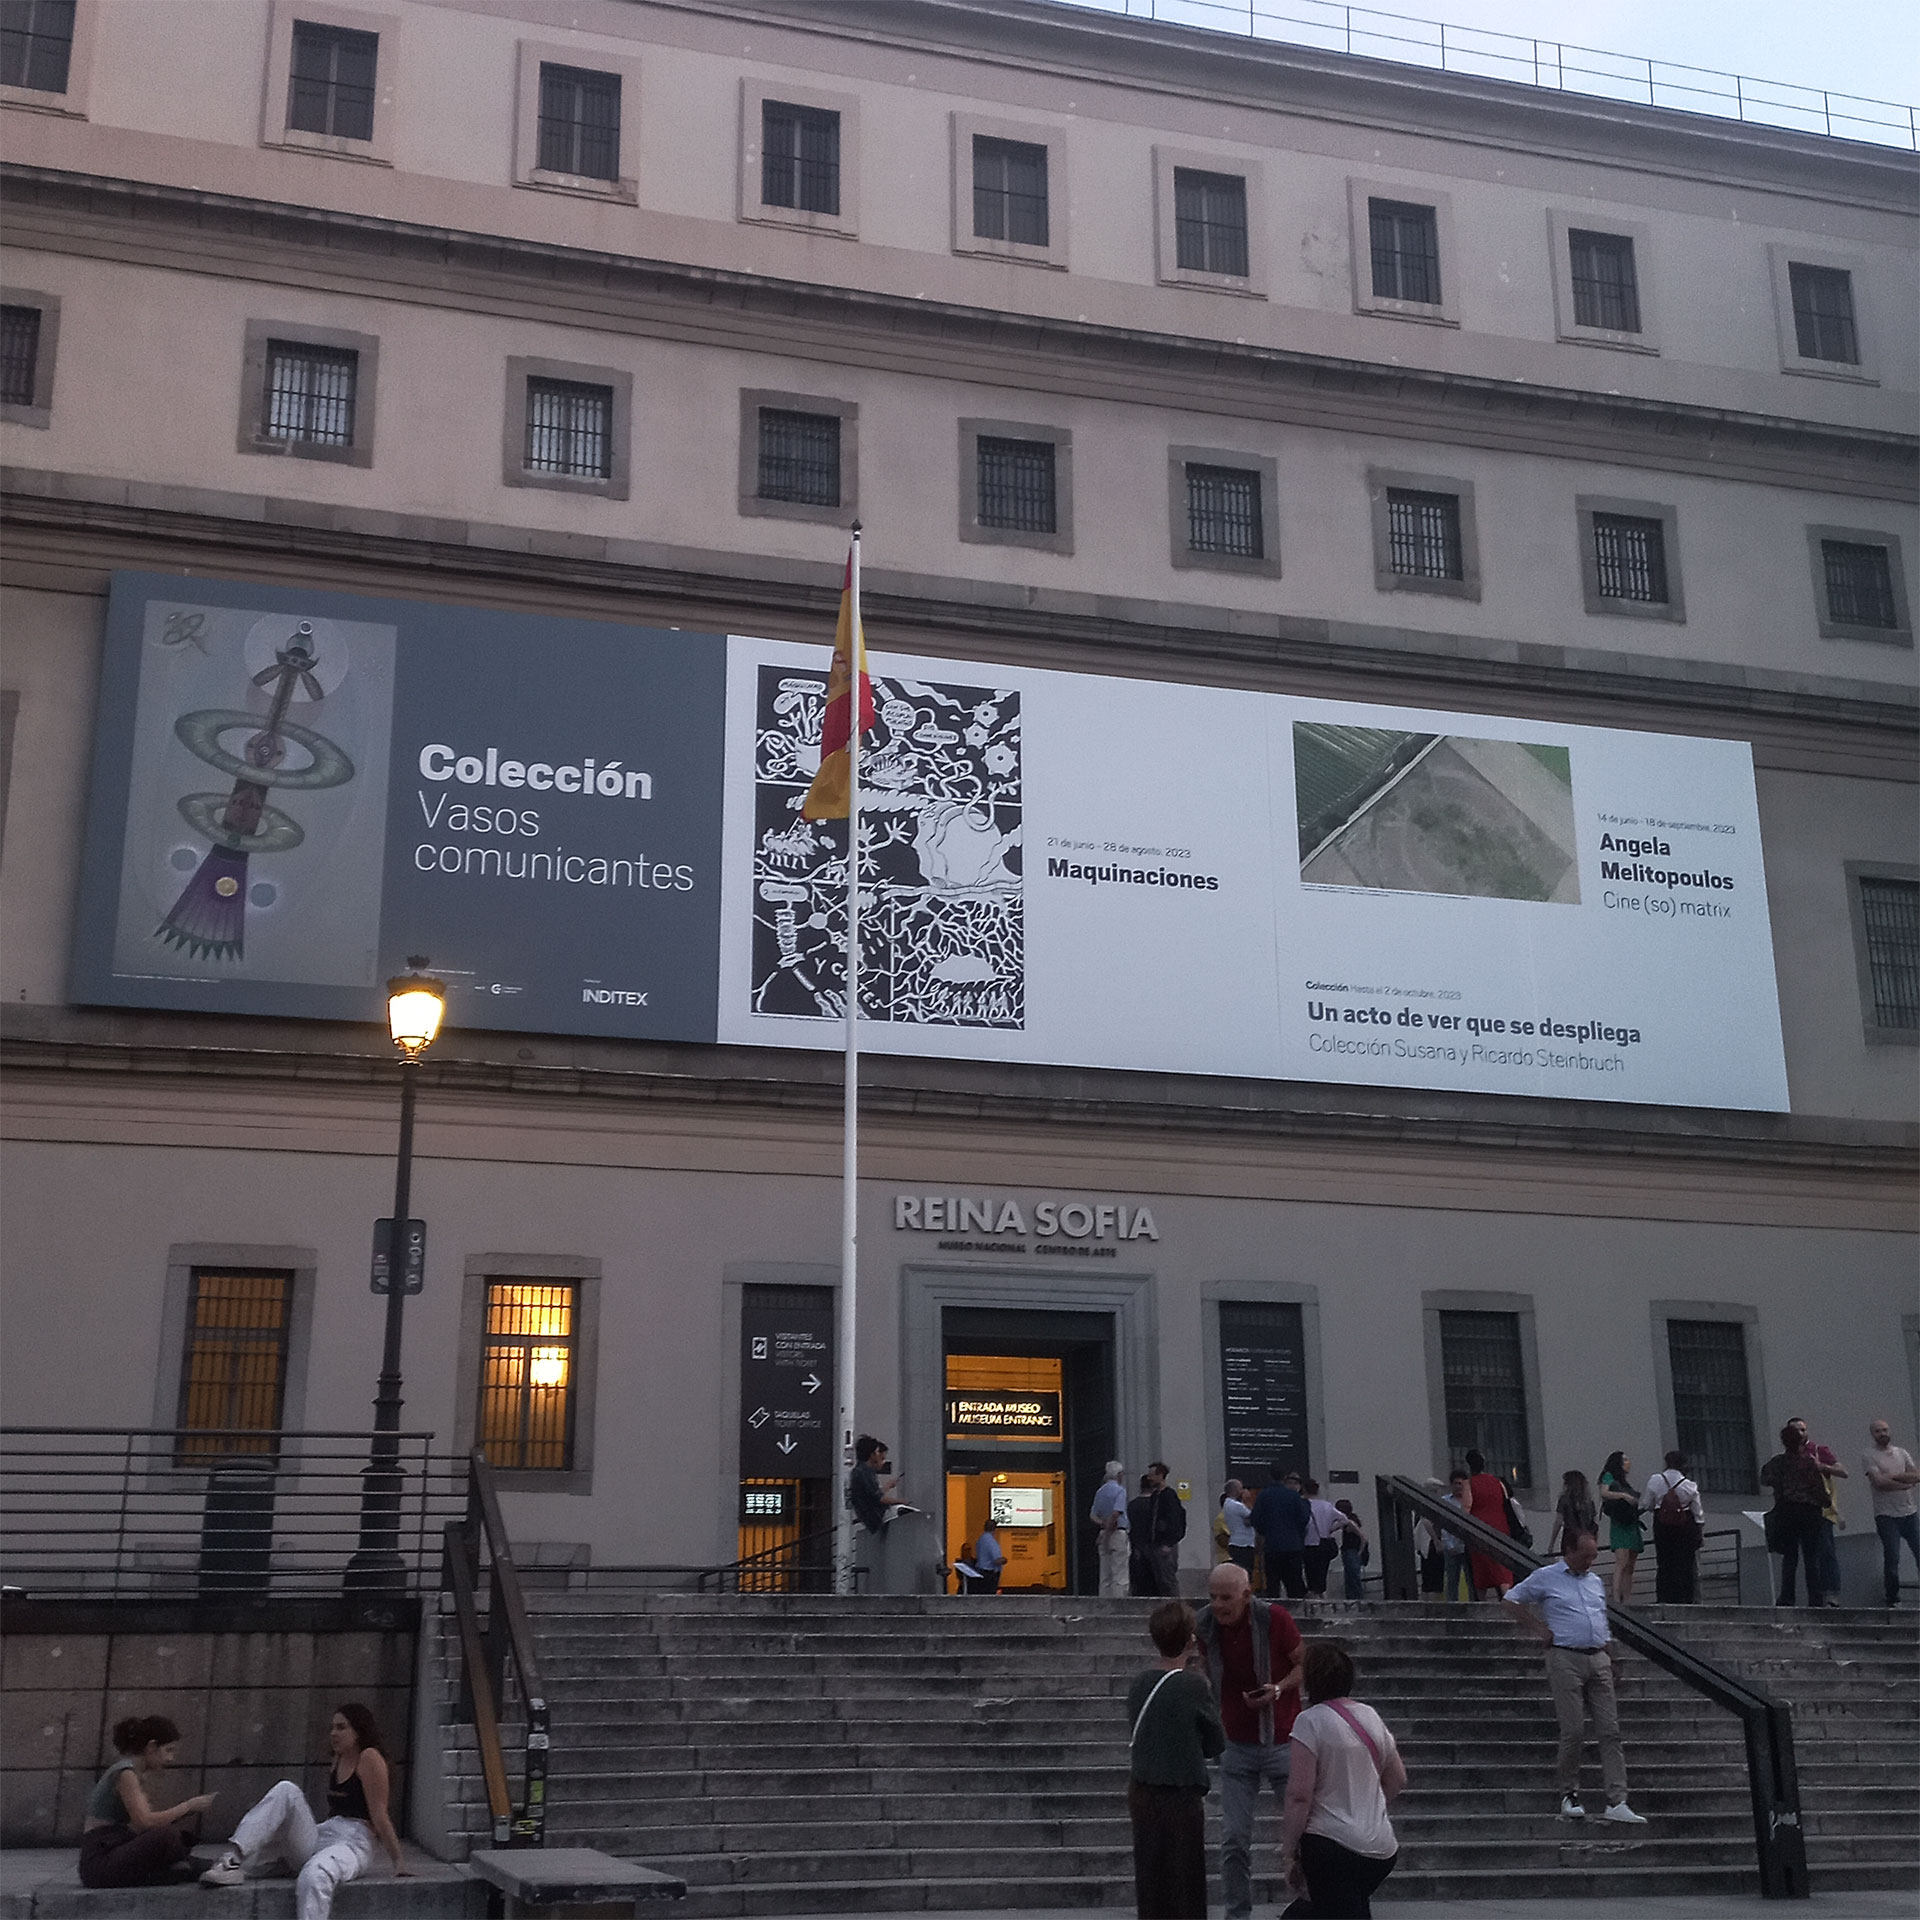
x=1487 y=1502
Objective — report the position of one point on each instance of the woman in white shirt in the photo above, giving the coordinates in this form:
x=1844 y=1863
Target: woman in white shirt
x=1679 y=1522
x=1239 y=1518
x=1335 y=1837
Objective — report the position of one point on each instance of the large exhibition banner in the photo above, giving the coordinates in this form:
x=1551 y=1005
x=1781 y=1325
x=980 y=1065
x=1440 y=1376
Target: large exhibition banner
x=597 y=829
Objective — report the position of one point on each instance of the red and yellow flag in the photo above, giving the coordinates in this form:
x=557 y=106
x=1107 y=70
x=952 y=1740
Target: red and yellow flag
x=827 y=797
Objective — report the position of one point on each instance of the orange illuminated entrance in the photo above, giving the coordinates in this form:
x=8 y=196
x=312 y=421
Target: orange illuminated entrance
x=1008 y=1408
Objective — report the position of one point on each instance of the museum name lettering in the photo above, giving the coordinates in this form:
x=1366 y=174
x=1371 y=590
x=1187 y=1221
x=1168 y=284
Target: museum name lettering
x=1076 y=1220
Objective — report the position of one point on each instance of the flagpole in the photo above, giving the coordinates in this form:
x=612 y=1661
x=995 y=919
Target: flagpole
x=850 y=1146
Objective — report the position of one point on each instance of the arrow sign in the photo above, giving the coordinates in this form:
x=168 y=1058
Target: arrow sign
x=786 y=1389
x=813 y=1383
x=758 y=1418
x=787 y=1443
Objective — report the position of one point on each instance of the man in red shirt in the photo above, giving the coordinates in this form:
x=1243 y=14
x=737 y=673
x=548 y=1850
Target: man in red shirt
x=1254 y=1656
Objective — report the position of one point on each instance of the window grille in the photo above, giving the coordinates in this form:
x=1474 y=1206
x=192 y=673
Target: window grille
x=19 y=354
x=310 y=393
x=1712 y=1409
x=332 y=86
x=1210 y=222
x=1009 y=191
x=233 y=1373
x=36 y=44
x=1485 y=1392
x=1823 y=323
x=570 y=429
x=1630 y=559
x=800 y=457
x=579 y=122
x=1405 y=243
x=1223 y=512
x=527 y=1375
x=1859 y=584
x=1605 y=292
x=1890 y=910
x=799 y=157
x=1017 y=485
x=1423 y=534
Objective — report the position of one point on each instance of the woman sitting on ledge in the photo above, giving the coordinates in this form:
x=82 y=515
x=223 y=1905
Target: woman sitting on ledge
x=126 y=1842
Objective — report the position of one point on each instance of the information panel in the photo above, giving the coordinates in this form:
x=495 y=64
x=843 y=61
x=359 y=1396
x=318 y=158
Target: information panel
x=1263 y=1390
x=786 y=1391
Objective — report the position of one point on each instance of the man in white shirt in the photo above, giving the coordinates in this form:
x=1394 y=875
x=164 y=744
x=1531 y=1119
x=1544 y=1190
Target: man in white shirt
x=1239 y=1518
x=1564 y=1605
x=1323 y=1538
x=1110 y=1516
x=1892 y=1476
x=1679 y=1522
x=989 y=1557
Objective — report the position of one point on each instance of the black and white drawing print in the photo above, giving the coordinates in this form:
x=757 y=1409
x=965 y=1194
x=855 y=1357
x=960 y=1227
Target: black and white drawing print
x=942 y=936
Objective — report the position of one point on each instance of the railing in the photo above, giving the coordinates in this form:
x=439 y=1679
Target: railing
x=497 y=1652
x=802 y=1565
x=1556 y=64
x=158 y=1513
x=1766 y=1722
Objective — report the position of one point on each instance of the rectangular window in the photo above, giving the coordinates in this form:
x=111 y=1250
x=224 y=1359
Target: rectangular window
x=310 y=394
x=1605 y=293
x=1859 y=580
x=19 y=354
x=1630 y=558
x=1009 y=191
x=799 y=157
x=1017 y=485
x=1210 y=222
x=1823 y=322
x=799 y=457
x=1423 y=534
x=527 y=1375
x=579 y=122
x=36 y=44
x=1485 y=1391
x=332 y=86
x=569 y=429
x=1405 y=243
x=1712 y=1410
x=1890 y=914
x=233 y=1375
x=1223 y=512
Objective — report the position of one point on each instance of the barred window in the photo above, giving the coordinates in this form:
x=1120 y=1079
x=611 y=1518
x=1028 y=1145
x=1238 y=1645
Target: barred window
x=310 y=393
x=1630 y=559
x=1210 y=222
x=799 y=157
x=1859 y=583
x=332 y=86
x=1605 y=292
x=1009 y=191
x=1485 y=1391
x=799 y=457
x=1712 y=1407
x=579 y=122
x=1890 y=914
x=1823 y=322
x=36 y=44
x=569 y=429
x=233 y=1374
x=1223 y=512
x=1405 y=244
x=1423 y=534
x=1017 y=485
x=19 y=354
x=527 y=1374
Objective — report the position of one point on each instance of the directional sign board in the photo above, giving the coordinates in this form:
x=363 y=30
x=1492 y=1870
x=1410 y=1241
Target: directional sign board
x=786 y=1392
x=416 y=1262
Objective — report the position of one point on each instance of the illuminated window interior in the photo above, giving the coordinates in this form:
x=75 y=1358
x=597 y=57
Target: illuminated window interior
x=234 y=1371
x=526 y=1377
x=1002 y=1373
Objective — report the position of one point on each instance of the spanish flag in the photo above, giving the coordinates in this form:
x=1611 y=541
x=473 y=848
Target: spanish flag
x=827 y=797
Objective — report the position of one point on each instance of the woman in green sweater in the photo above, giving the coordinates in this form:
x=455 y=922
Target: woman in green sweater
x=1176 y=1731
x=127 y=1841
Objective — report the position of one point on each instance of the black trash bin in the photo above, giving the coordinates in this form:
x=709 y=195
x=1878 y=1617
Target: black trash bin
x=236 y=1530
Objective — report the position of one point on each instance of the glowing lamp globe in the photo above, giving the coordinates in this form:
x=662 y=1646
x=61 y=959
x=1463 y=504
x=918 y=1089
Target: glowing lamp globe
x=415 y=1004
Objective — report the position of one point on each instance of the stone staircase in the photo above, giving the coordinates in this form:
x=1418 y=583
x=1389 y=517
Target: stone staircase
x=792 y=1755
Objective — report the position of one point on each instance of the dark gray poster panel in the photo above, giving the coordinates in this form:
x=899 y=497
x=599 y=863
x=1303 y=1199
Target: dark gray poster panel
x=786 y=1391
x=293 y=791
x=1263 y=1382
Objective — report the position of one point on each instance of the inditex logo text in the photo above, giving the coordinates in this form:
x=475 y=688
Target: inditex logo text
x=612 y=997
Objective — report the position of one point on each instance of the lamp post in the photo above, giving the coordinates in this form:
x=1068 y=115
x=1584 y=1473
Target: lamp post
x=415 y=1004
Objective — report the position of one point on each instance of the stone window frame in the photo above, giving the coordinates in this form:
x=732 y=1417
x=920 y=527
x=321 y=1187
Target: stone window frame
x=1186 y=556
x=530 y=56
x=1032 y=133
x=1445 y=313
x=1437 y=1301
x=1727 y=1312
x=1382 y=479
x=847 y=412
x=1900 y=634
x=1262 y=1292
x=1253 y=284
x=1060 y=540
x=1674 y=608
x=1871 y=1031
x=39 y=411
x=1781 y=256
x=73 y=102
x=584 y=1273
x=514 y=471
x=751 y=210
x=274 y=131
x=253 y=391
x=1560 y=225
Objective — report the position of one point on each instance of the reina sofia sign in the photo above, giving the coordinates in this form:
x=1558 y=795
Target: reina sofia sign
x=1066 y=1220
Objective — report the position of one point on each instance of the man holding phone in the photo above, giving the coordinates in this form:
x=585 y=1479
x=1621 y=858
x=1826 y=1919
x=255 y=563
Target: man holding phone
x=1254 y=1656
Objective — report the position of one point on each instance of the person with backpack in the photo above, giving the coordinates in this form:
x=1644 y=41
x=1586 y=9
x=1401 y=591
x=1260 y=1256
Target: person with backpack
x=1679 y=1525
x=1176 y=1730
x=1354 y=1551
x=1169 y=1528
x=1793 y=1521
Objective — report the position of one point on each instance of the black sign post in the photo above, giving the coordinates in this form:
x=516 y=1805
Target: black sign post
x=1263 y=1390
x=416 y=1263
x=786 y=1392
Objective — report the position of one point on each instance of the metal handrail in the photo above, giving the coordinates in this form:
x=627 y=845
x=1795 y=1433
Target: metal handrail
x=783 y=1557
x=1767 y=1723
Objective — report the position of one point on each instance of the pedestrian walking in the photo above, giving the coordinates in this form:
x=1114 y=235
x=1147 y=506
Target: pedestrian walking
x=1353 y=1551
x=1891 y=1474
x=1169 y=1529
x=1456 y=1564
x=989 y=1556
x=1281 y=1518
x=1239 y=1518
x=1323 y=1538
x=127 y=1841
x=1620 y=1507
x=1564 y=1605
x=1489 y=1502
x=1827 y=1549
x=1793 y=1521
x=1679 y=1525
x=1143 y=1573
x=1574 y=1511
x=1252 y=1650
x=1110 y=1516
x=1337 y=1843
x=1176 y=1730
